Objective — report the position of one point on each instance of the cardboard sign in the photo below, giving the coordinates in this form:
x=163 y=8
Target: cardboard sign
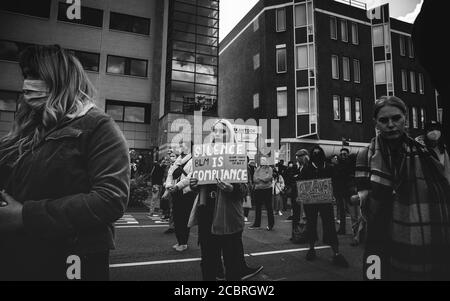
x=318 y=191
x=224 y=161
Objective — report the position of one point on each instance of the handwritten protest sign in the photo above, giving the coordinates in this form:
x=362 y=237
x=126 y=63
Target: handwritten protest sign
x=318 y=191
x=224 y=161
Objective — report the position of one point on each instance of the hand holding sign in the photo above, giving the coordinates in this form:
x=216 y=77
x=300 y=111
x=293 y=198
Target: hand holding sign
x=227 y=187
x=224 y=161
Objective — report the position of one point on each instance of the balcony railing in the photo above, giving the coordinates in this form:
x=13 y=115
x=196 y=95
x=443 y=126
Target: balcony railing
x=354 y=3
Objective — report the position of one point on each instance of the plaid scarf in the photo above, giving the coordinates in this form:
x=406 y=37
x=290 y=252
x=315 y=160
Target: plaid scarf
x=408 y=210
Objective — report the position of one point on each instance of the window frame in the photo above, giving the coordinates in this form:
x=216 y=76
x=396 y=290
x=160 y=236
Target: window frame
x=355 y=33
x=348 y=100
x=357 y=71
x=256 y=102
x=333 y=22
x=125 y=104
x=336 y=57
x=342 y=22
x=282 y=49
x=402 y=42
x=359 y=100
x=284 y=91
x=404 y=75
x=421 y=84
x=346 y=63
x=277 y=11
x=412 y=81
x=131 y=17
x=338 y=99
x=127 y=66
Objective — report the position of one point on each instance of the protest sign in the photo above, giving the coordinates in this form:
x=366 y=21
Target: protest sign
x=318 y=191
x=224 y=161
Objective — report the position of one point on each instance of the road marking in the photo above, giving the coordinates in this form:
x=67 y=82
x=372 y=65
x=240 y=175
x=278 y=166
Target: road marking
x=127 y=219
x=143 y=226
x=136 y=264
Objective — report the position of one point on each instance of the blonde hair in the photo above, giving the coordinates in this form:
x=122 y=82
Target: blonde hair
x=69 y=92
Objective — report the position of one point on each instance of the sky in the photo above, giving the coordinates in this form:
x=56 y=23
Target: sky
x=232 y=11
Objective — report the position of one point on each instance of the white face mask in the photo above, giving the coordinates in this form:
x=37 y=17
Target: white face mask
x=35 y=91
x=434 y=135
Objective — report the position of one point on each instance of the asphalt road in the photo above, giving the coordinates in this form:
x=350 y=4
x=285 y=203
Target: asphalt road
x=144 y=253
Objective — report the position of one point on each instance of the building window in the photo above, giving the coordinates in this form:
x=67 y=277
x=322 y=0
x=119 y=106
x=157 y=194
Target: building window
x=302 y=57
x=407 y=119
x=281 y=19
x=346 y=68
x=380 y=73
x=357 y=71
x=412 y=75
x=302 y=102
x=348 y=109
x=281 y=59
x=282 y=102
x=10 y=51
x=256 y=101
x=410 y=48
x=39 y=8
x=404 y=80
x=256 y=61
x=123 y=111
x=90 y=16
x=344 y=31
x=440 y=115
x=421 y=84
x=335 y=66
x=300 y=15
x=423 y=119
x=8 y=101
x=256 y=25
x=90 y=61
x=378 y=35
x=358 y=110
x=126 y=66
x=333 y=28
x=402 y=45
x=129 y=23
x=355 y=34
x=415 y=118
x=336 y=107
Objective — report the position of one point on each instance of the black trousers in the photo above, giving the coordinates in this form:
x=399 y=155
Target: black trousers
x=327 y=216
x=264 y=196
x=182 y=207
x=214 y=246
x=341 y=201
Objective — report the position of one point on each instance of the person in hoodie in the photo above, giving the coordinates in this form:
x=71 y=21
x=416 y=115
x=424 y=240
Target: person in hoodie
x=262 y=180
x=318 y=168
x=218 y=212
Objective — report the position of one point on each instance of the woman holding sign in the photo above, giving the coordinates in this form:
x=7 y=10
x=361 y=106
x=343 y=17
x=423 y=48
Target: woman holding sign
x=220 y=219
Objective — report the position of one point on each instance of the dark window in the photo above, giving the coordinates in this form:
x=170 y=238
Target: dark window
x=35 y=8
x=8 y=100
x=128 y=111
x=126 y=66
x=89 y=16
x=89 y=60
x=129 y=23
x=10 y=50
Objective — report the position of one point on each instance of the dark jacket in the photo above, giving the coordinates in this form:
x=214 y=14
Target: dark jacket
x=157 y=175
x=73 y=187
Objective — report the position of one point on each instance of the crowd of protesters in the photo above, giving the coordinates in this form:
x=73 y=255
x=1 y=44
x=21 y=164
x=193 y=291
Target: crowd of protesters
x=361 y=180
